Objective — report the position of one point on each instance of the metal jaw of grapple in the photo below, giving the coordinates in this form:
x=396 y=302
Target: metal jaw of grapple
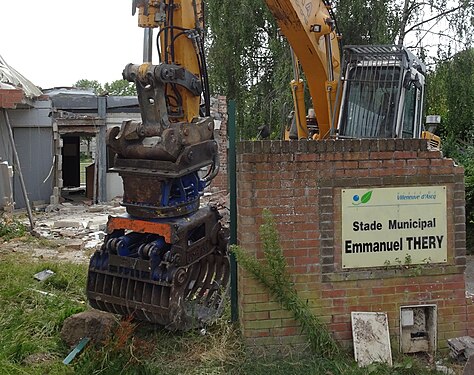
x=172 y=273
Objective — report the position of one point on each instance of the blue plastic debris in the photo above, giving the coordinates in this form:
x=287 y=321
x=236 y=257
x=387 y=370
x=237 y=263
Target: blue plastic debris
x=79 y=347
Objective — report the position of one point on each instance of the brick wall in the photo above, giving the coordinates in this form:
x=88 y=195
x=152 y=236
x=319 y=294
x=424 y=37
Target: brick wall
x=9 y=98
x=301 y=183
x=219 y=112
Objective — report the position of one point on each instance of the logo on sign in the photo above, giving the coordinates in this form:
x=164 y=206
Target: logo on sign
x=357 y=200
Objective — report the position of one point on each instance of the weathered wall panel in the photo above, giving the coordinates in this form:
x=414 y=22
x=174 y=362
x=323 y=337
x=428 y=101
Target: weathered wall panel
x=35 y=151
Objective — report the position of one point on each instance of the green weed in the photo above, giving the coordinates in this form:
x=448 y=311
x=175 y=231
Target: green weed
x=30 y=322
x=275 y=277
x=12 y=228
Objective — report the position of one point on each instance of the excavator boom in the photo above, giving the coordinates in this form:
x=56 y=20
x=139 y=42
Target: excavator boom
x=376 y=93
x=310 y=29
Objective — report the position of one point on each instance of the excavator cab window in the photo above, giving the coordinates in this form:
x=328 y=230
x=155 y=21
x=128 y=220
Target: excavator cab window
x=372 y=93
x=382 y=93
x=409 y=113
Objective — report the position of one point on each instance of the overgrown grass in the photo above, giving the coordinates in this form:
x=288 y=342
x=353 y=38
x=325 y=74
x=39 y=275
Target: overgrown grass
x=30 y=343
x=30 y=321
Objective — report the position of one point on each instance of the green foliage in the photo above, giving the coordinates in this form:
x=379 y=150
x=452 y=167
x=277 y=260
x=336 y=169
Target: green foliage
x=93 y=86
x=249 y=62
x=274 y=276
x=450 y=93
x=12 y=228
x=467 y=160
x=339 y=366
x=119 y=87
x=368 y=22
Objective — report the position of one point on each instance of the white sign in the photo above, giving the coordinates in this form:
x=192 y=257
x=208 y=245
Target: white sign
x=394 y=226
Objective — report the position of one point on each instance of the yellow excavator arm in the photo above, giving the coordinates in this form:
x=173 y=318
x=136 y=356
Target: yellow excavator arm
x=310 y=30
x=177 y=45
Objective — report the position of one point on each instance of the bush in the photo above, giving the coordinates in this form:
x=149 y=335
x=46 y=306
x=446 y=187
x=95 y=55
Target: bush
x=468 y=163
x=464 y=155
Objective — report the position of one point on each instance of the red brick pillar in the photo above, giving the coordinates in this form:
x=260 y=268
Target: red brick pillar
x=9 y=98
x=301 y=183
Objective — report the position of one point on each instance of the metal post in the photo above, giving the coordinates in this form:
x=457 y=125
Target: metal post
x=17 y=163
x=147 y=45
x=101 y=160
x=231 y=126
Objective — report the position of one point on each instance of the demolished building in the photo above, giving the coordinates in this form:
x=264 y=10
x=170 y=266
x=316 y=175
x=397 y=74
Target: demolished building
x=47 y=127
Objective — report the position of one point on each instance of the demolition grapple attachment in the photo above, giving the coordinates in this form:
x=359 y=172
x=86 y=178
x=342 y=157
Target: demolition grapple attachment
x=173 y=273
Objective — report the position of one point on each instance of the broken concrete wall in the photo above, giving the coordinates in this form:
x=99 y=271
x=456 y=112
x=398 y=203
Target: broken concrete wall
x=114 y=181
x=81 y=113
x=219 y=112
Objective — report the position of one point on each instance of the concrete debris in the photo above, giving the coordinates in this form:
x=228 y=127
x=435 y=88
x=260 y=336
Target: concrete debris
x=92 y=245
x=117 y=210
x=72 y=210
x=67 y=224
x=461 y=347
x=469 y=368
x=43 y=275
x=75 y=245
x=79 y=229
x=98 y=223
x=95 y=324
x=445 y=370
x=97 y=208
x=43 y=292
x=39 y=206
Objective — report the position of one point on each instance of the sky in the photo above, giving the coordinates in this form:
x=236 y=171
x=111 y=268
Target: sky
x=58 y=42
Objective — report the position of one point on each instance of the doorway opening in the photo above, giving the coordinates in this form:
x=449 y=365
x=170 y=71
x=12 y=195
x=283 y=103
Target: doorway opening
x=78 y=167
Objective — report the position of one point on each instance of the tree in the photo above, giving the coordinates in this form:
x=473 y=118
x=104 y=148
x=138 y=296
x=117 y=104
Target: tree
x=417 y=24
x=367 y=22
x=249 y=62
x=93 y=85
x=119 y=87
x=450 y=93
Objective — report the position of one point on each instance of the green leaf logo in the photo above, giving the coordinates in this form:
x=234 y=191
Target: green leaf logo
x=357 y=200
x=366 y=197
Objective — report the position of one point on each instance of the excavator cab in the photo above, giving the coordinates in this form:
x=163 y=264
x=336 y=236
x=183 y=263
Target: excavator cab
x=382 y=93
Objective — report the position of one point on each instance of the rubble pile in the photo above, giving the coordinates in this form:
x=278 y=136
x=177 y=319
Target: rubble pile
x=77 y=230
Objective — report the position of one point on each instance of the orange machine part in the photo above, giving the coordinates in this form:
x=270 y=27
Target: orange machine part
x=140 y=226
